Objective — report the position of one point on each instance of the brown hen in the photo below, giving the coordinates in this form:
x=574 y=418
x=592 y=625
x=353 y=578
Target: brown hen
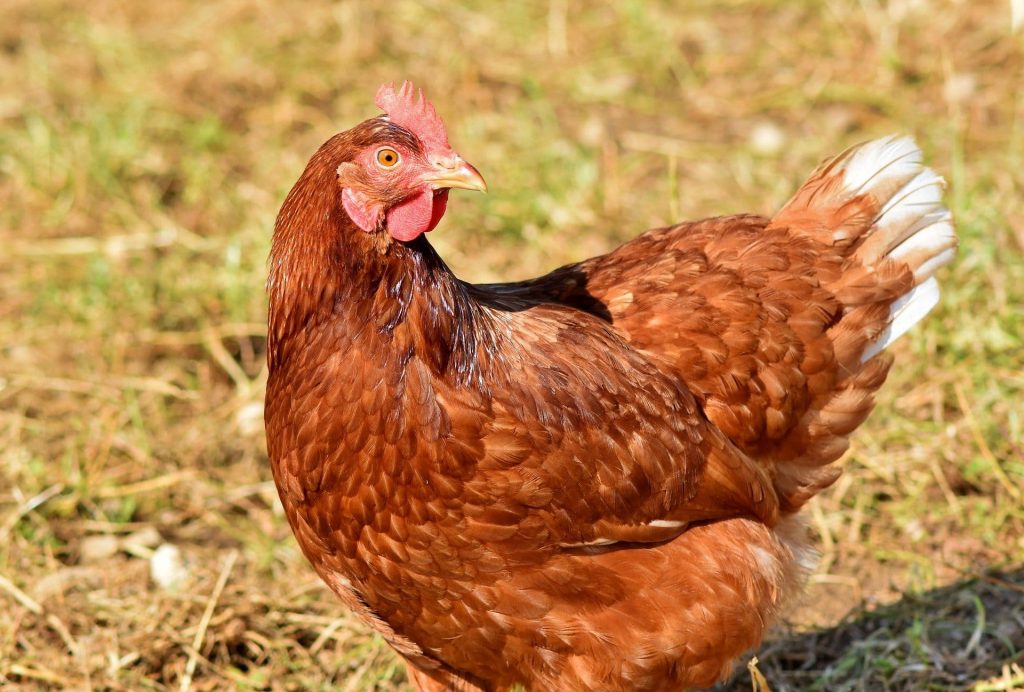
x=589 y=480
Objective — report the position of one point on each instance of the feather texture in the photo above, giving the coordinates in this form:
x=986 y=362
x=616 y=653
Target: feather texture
x=588 y=480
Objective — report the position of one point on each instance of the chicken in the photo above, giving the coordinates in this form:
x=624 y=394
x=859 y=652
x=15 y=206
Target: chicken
x=589 y=480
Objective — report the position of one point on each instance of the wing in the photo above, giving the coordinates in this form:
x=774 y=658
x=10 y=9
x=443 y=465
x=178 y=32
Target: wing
x=776 y=326
x=741 y=312
x=606 y=444
x=738 y=311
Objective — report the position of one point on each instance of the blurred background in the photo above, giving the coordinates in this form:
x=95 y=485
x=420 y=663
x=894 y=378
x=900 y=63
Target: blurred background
x=145 y=148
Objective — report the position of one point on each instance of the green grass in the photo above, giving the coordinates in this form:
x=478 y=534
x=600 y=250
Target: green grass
x=146 y=147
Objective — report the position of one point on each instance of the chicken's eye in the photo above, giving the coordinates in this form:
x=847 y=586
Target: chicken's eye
x=387 y=157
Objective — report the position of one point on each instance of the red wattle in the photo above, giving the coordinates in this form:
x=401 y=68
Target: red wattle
x=440 y=204
x=416 y=215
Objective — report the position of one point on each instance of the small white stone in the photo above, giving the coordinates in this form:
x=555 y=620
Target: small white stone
x=767 y=138
x=592 y=131
x=914 y=529
x=98 y=548
x=249 y=418
x=960 y=87
x=167 y=567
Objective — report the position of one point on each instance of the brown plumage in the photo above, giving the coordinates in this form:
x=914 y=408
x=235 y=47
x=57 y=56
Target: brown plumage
x=589 y=480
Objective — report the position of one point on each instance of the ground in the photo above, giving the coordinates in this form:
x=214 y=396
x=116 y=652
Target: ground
x=146 y=147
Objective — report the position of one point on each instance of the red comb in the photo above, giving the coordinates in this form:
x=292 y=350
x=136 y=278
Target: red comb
x=408 y=108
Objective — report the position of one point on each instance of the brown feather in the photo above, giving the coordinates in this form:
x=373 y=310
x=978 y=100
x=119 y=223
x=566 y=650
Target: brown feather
x=583 y=481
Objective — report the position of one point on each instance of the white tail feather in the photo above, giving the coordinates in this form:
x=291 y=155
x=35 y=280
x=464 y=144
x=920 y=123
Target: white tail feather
x=914 y=206
x=881 y=164
x=922 y=249
x=904 y=314
x=912 y=227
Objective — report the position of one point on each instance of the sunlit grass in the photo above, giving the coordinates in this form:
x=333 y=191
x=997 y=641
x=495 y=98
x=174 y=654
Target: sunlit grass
x=146 y=147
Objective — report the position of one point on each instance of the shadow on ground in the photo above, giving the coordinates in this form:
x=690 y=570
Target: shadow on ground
x=969 y=635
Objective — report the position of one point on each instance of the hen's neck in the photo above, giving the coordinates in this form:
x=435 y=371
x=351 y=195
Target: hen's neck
x=324 y=271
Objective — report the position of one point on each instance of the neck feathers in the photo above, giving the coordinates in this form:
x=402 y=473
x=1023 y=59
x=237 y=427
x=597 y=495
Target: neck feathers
x=306 y=253
x=325 y=270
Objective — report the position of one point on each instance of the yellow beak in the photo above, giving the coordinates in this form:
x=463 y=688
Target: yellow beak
x=455 y=173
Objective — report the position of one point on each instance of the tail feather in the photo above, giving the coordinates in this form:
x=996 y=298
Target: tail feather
x=905 y=312
x=880 y=167
x=911 y=212
x=884 y=208
x=879 y=210
x=912 y=228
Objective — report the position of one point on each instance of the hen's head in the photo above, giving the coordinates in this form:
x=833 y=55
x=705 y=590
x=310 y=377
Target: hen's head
x=401 y=167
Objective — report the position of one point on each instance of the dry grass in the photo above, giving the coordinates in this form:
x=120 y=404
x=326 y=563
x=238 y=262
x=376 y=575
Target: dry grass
x=145 y=148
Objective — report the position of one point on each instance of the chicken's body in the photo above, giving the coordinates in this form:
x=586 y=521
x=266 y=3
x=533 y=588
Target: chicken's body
x=589 y=480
